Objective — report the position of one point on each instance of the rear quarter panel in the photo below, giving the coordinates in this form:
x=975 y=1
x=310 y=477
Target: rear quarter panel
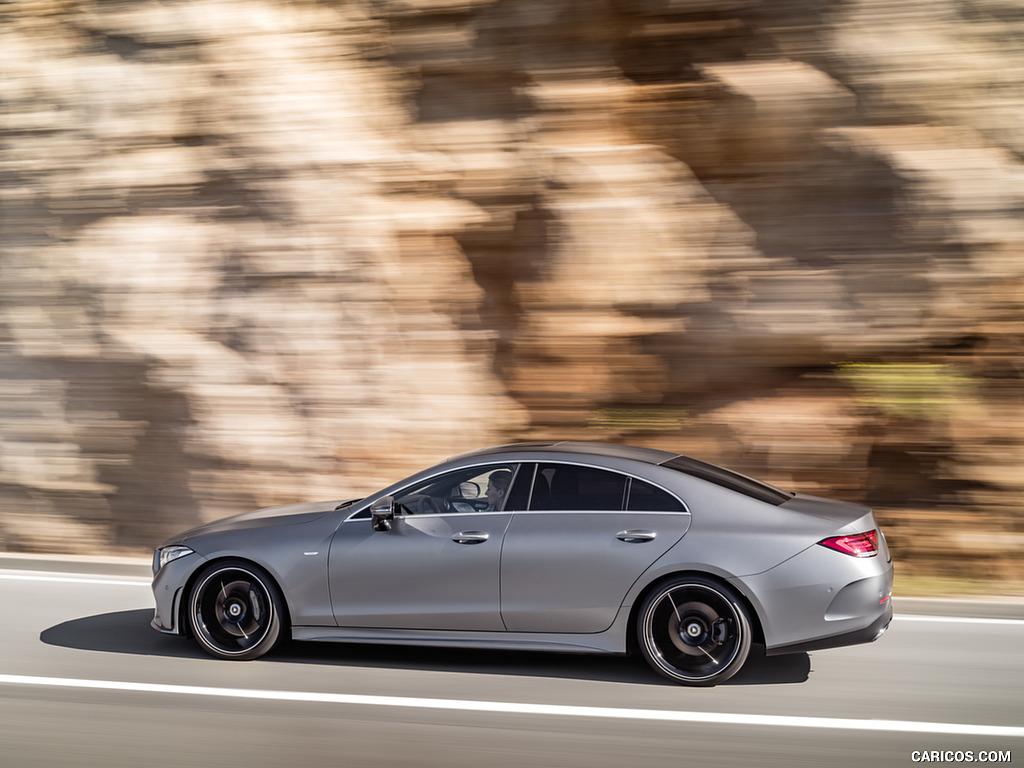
x=749 y=543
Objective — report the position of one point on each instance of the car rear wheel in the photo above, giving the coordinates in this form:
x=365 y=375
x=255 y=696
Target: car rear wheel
x=694 y=631
x=235 y=611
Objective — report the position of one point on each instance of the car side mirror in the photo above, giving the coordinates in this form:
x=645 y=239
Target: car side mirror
x=382 y=513
x=469 y=490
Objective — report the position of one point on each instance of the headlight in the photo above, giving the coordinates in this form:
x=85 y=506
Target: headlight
x=164 y=555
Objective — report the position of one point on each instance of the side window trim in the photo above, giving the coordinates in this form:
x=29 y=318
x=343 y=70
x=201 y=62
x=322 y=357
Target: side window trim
x=363 y=514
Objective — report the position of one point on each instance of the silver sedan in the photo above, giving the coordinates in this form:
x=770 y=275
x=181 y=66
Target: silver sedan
x=578 y=547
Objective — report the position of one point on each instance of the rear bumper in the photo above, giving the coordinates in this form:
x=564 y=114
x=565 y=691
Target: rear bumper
x=821 y=599
x=868 y=634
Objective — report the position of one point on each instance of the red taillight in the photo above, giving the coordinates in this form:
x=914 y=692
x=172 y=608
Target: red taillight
x=856 y=544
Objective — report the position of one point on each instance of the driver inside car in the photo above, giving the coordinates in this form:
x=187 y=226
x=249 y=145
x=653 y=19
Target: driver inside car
x=497 y=487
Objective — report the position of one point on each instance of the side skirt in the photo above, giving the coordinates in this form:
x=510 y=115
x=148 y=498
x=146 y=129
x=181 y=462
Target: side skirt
x=608 y=642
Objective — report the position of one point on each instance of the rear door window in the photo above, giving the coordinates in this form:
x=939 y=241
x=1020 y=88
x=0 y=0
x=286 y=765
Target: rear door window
x=568 y=487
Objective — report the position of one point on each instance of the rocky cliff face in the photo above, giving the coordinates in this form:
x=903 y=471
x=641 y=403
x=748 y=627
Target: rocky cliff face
x=256 y=252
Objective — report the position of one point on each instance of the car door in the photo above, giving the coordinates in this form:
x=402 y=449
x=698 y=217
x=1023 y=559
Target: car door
x=586 y=536
x=438 y=566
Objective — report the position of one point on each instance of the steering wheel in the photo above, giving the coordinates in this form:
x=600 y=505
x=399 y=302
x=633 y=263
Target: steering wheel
x=425 y=505
x=465 y=505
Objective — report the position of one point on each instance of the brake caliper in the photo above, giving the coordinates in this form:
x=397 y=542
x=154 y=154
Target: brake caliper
x=721 y=629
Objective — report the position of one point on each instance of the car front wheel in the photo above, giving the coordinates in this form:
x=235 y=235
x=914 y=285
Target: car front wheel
x=694 y=631
x=235 y=611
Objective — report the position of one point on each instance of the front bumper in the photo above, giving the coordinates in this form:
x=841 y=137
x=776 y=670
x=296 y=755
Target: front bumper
x=168 y=590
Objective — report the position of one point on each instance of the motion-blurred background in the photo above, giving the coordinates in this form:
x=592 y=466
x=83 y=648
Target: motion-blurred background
x=258 y=252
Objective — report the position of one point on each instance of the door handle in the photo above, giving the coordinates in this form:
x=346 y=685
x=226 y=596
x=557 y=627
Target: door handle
x=636 y=537
x=470 y=537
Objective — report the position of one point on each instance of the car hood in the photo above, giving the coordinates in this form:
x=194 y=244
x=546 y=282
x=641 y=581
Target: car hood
x=292 y=514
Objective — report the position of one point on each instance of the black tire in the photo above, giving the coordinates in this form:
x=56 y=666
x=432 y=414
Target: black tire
x=694 y=631
x=235 y=611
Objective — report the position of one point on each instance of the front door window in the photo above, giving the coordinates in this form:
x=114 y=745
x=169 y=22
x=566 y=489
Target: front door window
x=476 y=489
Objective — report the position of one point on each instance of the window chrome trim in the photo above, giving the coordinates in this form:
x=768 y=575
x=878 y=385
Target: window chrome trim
x=597 y=512
x=536 y=462
x=435 y=515
x=463 y=515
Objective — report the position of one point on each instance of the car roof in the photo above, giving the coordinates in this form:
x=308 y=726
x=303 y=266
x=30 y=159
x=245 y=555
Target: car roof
x=610 y=450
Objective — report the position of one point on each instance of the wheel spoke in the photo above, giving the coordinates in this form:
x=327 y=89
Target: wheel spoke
x=674 y=607
x=713 y=659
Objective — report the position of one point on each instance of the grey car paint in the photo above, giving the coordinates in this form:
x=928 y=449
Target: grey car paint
x=568 y=571
x=547 y=579
x=386 y=580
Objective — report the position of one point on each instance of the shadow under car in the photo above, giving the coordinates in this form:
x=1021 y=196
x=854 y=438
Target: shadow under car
x=130 y=632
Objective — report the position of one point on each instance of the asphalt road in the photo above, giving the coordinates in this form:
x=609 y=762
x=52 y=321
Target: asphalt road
x=84 y=681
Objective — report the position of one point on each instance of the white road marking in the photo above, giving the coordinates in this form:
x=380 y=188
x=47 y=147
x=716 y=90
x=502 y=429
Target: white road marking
x=958 y=619
x=517 y=708
x=69 y=579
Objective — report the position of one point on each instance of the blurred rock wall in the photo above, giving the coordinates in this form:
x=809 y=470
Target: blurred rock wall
x=256 y=252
